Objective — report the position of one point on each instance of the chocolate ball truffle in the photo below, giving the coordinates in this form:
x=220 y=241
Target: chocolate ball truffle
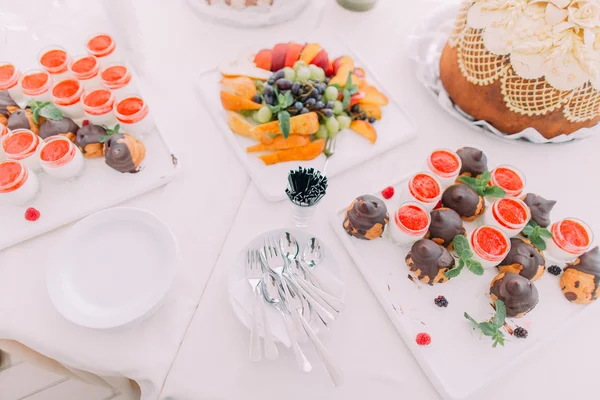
x=88 y=140
x=474 y=161
x=6 y=104
x=124 y=153
x=366 y=217
x=523 y=259
x=429 y=261
x=445 y=225
x=65 y=126
x=540 y=208
x=517 y=292
x=581 y=278
x=464 y=200
x=22 y=119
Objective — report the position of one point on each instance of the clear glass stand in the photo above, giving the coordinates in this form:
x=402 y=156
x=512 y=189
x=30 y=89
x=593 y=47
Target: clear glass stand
x=301 y=216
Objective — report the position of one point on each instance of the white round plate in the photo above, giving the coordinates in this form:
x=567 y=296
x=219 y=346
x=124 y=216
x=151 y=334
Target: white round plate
x=115 y=267
x=240 y=294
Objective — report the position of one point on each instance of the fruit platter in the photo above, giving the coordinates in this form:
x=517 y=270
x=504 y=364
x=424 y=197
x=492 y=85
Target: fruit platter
x=73 y=126
x=473 y=267
x=300 y=103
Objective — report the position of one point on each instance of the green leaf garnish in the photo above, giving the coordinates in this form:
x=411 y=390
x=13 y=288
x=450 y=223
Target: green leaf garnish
x=465 y=255
x=536 y=234
x=109 y=132
x=493 y=329
x=481 y=185
x=44 y=109
x=475 y=267
x=461 y=247
x=346 y=98
x=454 y=272
x=284 y=123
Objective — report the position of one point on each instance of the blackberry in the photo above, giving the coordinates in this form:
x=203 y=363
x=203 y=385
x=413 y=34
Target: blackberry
x=520 y=333
x=441 y=301
x=554 y=270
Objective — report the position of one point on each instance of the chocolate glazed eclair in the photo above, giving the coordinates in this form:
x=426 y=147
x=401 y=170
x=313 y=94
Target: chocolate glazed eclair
x=366 y=218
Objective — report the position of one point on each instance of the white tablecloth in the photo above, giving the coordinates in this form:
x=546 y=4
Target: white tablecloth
x=212 y=362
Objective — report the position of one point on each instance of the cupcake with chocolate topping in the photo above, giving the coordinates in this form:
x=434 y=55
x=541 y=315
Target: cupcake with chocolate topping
x=464 y=200
x=124 y=153
x=517 y=292
x=22 y=119
x=429 y=261
x=6 y=104
x=524 y=259
x=474 y=161
x=65 y=126
x=445 y=225
x=580 y=281
x=540 y=208
x=366 y=218
x=88 y=139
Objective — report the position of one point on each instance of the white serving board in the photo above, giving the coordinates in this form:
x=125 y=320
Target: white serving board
x=394 y=128
x=99 y=186
x=460 y=361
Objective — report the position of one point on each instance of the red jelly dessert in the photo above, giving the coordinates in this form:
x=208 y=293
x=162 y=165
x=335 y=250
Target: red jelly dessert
x=11 y=176
x=101 y=45
x=445 y=161
x=491 y=241
x=412 y=217
x=35 y=82
x=509 y=179
x=424 y=187
x=510 y=213
x=54 y=60
x=19 y=143
x=67 y=92
x=54 y=150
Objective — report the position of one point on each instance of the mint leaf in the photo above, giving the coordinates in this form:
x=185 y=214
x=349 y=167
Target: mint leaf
x=284 y=123
x=498 y=339
x=467 y=180
x=474 y=266
x=288 y=99
x=486 y=176
x=543 y=232
x=488 y=328
x=500 y=316
x=481 y=185
x=49 y=111
x=494 y=191
x=346 y=99
x=338 y=87
x=528 y=230
x=274 y=109
x=538 y=242
x=461 y=247
x=467 y=316
x=36 y=115
x=454 y=272
x=349 y=84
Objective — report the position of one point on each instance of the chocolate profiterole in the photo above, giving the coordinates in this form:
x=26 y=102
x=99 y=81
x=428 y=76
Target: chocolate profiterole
x=464 y=200
x=124 y=153
x=540 y=208
x=523 y=259
x=65 y=126
x=445 y=225
x=429 y=261
x=366 y=217
x=517 y=292
x=580 y=282
x=6 y=103
x=22 y=119
x=474 y=161
x=88 y=140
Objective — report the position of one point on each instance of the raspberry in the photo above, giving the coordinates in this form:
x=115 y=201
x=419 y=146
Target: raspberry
x=32 y=214
x=423 y=339
x=85 y=122
x=388 y=192
x=554 y=270
x=520 y=333
x=441 y=301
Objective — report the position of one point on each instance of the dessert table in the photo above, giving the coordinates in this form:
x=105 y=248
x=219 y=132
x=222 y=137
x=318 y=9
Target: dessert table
x=213 y=363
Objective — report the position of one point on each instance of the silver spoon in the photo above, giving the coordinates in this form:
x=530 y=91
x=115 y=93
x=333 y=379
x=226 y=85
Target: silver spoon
x=289 y=246
x=272 y=295
x=312 y=256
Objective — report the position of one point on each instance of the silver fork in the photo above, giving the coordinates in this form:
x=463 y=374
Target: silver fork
x=271 y=352
x=274 y=260
x=254 y=275
x=329 y=151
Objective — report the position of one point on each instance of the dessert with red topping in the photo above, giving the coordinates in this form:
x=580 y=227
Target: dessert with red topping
x=60 y=158
x=423 y=188
x=9 y=80
x=55 y=61
x=580 y=283
x=570 y=239
x=36 y=84
x=21 y=146
x=464 y=200
x=133 y=115
x=445 y=225
x=524 y=259
x=17 y=184
x=429 y=261
x=102 y=46
x=98 y=105
x=509 y=214
x=411 y=222
x=117 y=78
x=66 y=95
x=366 y=218
x=445 y=165
x=489 y=245
x=518 y=293
x=86 y=69
x=508 y=178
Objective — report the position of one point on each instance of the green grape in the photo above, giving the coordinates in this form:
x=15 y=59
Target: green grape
x=338 y=107
x=289 y=74
x=333 y=126
x=298 y=64
x=344 y=121
x=263 y=115
x=316 y=73
x=260 y=86
x=331 y=93
x=322 y=133
x=302 y=74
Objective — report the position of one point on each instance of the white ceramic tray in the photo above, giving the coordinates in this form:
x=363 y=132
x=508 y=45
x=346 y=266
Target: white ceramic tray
x=394 y=128
x=460 y=361
x=99 y=186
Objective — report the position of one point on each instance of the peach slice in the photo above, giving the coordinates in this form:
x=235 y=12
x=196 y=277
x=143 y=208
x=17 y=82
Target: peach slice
x=341 y=76
x=371 y=110
x=293 y=54
x=360 y=73
x=242 y=86
x=321 y=60
x=264 y=59
x=279 y=54
x=374 y=96
x=338 y=62
x=233 y=102
x=305 y=124
x=329 y=70
x=303 y=153
x=237 y=68
x=240 y=124
x=310 y=52
x=279 y=143
x=365 y=129
x=355 y=99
